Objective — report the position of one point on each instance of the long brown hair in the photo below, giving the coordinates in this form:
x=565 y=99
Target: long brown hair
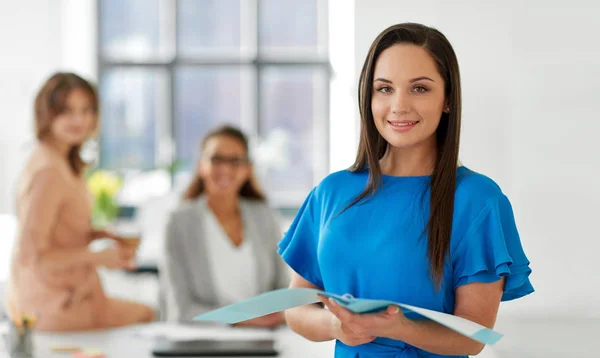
x=372 y=146
x=249 y=189
x=51 y=101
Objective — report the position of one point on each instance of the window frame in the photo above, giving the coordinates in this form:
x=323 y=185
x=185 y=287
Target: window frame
x=256 y=62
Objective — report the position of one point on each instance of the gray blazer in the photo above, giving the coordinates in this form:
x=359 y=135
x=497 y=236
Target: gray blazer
x=185 y=271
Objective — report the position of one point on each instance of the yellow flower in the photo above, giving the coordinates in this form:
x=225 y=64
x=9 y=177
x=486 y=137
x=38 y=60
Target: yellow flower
x=103 y=182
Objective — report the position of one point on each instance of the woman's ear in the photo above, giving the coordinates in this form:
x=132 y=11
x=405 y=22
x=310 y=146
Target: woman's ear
x=446 y=107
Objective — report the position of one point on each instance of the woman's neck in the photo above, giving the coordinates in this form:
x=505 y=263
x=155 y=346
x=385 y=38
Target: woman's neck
x=417 y=161
x=223 y=204
x=61 y=148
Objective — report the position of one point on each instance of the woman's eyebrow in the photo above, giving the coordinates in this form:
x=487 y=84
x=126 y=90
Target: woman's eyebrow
x=421 y=78
x=380 y=79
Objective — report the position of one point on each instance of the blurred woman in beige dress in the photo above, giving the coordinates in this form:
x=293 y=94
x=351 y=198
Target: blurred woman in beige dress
x=53 y=272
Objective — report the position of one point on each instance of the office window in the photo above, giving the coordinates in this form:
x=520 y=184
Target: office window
x=172 y=69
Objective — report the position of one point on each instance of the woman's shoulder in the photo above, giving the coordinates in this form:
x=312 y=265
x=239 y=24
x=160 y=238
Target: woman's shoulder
x=474 y=184
x=42 y=158
x=344 y=177
x=475 y=191
x=341 y=182
x=42 y=162
x=260 y=209
x=185 y=210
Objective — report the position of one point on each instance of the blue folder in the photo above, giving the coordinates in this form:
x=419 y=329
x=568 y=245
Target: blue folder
x=280 y=300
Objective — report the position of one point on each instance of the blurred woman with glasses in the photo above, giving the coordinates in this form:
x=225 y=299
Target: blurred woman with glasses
x=221 y=243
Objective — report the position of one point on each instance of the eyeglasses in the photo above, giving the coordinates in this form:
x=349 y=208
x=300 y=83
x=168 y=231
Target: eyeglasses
x=233 y=161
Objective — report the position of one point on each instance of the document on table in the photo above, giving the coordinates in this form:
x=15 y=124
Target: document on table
x=188 y=332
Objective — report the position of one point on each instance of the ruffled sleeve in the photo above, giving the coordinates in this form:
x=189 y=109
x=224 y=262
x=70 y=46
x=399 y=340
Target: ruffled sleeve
x=490 y=249
x=298 y=248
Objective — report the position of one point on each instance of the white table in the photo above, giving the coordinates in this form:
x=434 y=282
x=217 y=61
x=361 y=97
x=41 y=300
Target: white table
x=132 y=342
x=548 y=338
x=137 y=341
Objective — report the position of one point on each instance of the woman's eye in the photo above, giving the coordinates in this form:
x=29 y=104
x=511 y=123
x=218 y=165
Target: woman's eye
x=419 y=89
x=384 y=89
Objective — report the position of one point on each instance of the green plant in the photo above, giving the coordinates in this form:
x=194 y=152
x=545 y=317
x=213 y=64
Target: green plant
x=104 y=186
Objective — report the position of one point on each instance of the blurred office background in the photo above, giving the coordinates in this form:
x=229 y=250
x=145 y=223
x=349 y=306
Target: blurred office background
x=286 y=72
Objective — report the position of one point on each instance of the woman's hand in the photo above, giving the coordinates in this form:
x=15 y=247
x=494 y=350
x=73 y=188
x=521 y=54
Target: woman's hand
x=355 y=329
x=118 y=257
x=102 y=234
x=133 y=242
x=128 y=242
x=346 y=335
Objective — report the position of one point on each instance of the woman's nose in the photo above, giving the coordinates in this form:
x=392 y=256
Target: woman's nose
x=400 y=103
x=79 y=117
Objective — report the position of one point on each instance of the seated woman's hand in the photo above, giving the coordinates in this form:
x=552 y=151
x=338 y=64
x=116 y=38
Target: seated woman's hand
x=129 y=242
x=132 y=242
x=127 y=252
x=117 y=257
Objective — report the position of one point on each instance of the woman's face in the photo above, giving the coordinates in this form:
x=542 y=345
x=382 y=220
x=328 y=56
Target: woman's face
x=408 y=96
x=77 y=121
x=224 y=165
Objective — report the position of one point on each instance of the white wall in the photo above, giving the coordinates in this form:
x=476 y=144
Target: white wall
x=37 y=38
x=79 y=37
x=30 y=51
x=530 y=92
x=344 y=125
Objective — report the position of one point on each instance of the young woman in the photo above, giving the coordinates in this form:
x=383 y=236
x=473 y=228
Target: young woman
x=221 y=244
x=53 y=273
x=406 y=222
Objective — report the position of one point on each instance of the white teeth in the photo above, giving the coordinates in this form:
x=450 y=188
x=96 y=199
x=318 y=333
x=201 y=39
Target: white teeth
x=402 y=124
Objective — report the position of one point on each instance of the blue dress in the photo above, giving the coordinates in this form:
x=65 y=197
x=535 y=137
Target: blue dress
x=376 y=250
